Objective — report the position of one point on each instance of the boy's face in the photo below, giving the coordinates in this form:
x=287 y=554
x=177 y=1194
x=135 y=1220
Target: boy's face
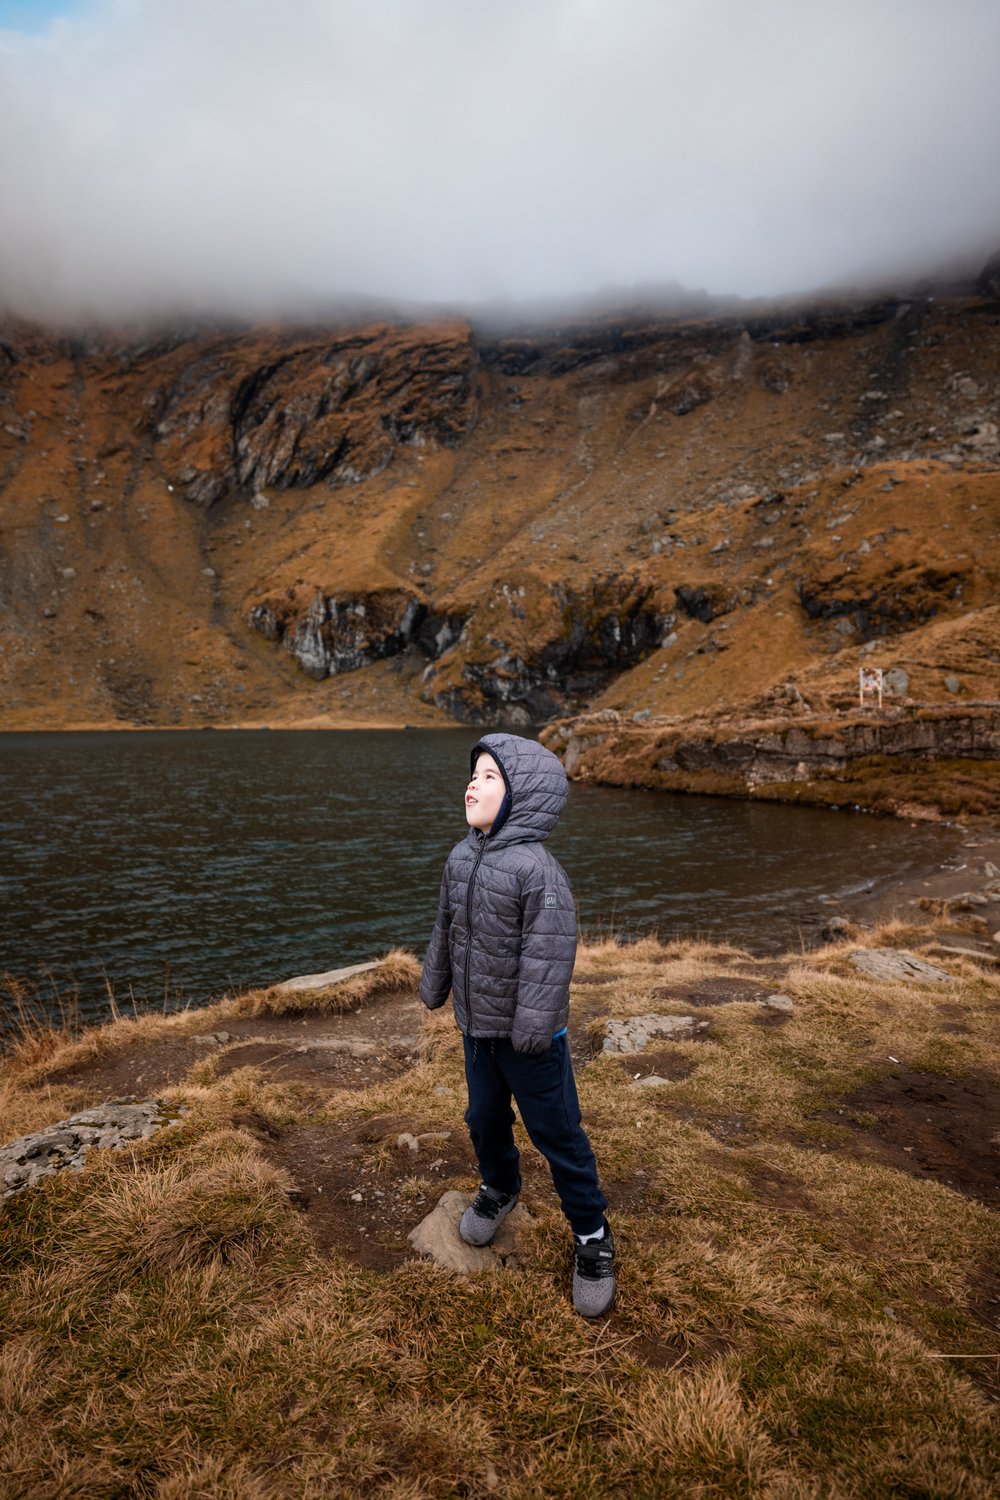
x=484 y=793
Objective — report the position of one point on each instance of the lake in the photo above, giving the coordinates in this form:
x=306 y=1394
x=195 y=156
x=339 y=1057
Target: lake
x=173 y=866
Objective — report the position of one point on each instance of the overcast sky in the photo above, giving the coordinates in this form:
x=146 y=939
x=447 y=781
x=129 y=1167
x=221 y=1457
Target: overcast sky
x=254 y=157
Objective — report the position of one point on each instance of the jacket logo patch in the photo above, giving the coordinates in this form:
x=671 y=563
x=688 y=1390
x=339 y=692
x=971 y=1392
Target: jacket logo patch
x=550 y=898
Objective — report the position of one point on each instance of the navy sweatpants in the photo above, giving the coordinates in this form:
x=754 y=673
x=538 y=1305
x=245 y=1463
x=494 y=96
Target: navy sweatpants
x=545 y=1092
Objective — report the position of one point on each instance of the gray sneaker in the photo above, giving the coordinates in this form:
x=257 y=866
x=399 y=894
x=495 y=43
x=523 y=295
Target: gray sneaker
x=594 y=1284
x=481 y=1219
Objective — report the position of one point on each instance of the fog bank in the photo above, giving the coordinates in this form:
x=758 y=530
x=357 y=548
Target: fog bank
x=236 y=157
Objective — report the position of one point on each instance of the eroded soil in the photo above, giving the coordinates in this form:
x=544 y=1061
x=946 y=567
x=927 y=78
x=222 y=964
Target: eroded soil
x=929 y=1125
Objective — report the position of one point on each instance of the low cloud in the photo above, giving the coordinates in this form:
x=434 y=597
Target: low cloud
x=239 y=157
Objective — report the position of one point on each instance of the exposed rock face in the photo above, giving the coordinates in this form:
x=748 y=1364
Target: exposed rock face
x=900 y=598
x=330 y=634
x=895 y=964
x=334 y=410
x=829 y=760
x=533 y=649
x=704 y=604
x=688 y=393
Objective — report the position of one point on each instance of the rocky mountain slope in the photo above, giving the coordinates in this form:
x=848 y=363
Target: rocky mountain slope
x=690 y=518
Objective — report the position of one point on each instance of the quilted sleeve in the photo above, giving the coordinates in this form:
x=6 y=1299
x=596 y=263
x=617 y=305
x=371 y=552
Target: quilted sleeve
x=435 y=980
x=548 y=952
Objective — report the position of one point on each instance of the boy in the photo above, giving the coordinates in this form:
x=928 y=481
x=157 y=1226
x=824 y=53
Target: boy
x=504 y=944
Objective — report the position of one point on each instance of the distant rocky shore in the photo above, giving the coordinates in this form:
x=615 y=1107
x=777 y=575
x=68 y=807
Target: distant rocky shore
x=913 y=762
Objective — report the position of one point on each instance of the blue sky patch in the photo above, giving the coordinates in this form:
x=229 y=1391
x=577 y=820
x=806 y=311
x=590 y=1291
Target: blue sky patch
x=32 y=16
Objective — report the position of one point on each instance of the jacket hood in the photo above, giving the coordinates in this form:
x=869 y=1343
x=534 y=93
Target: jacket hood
x=536 y=787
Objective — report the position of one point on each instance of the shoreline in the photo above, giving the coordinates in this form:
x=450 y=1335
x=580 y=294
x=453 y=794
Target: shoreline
x=896 y=897
x=249 y=727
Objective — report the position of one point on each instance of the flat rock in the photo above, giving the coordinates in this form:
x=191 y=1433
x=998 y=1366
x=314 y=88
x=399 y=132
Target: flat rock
x=437 y=1237
x=66 y=1143
x=651 y=1081
x=350 y=1046
x=323 y=981
x=636 y=1032
x=779 y=1002
x=946 y=951
x=896 y=963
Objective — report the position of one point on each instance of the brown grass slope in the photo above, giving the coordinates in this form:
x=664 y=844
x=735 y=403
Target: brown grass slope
x=807 y=1292
x=464 y=524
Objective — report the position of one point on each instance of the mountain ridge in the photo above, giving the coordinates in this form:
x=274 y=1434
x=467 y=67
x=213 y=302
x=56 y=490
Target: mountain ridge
x=433 y=523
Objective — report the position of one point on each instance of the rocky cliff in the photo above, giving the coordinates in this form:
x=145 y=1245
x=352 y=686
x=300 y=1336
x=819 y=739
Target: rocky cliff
x=719 y=517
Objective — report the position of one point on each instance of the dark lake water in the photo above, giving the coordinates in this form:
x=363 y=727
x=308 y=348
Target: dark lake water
x=178 y=865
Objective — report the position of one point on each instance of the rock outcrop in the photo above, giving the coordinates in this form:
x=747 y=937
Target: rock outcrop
x=857 y=760
x=535 y=648
x=328 y=634
x=67 y=1143
x=329 y=409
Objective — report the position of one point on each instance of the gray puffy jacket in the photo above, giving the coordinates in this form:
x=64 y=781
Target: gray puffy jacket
x=504 y=942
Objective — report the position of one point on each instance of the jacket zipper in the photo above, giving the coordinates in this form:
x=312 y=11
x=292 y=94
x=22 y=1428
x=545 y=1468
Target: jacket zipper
x=468 y=926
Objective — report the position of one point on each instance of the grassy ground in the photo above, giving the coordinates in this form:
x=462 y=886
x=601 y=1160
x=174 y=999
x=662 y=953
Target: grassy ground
x=804 y=1300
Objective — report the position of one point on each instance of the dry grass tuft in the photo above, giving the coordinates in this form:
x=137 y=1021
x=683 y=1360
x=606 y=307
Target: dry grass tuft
x=397 y=970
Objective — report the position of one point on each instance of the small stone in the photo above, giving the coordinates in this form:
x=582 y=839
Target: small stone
x=990 y=870
x=357 y=1198
x=445 y=1093
x=408 y=1142
x=780 y=1002
x=433 y=1137
x=651 y=1081
x=952 y=684
x=208 y=572
x=967 y=900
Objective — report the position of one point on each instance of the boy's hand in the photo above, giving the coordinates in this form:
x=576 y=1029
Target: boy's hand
x=531 y=1044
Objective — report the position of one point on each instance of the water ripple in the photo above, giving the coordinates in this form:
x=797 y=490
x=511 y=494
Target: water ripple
x=185 y=864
